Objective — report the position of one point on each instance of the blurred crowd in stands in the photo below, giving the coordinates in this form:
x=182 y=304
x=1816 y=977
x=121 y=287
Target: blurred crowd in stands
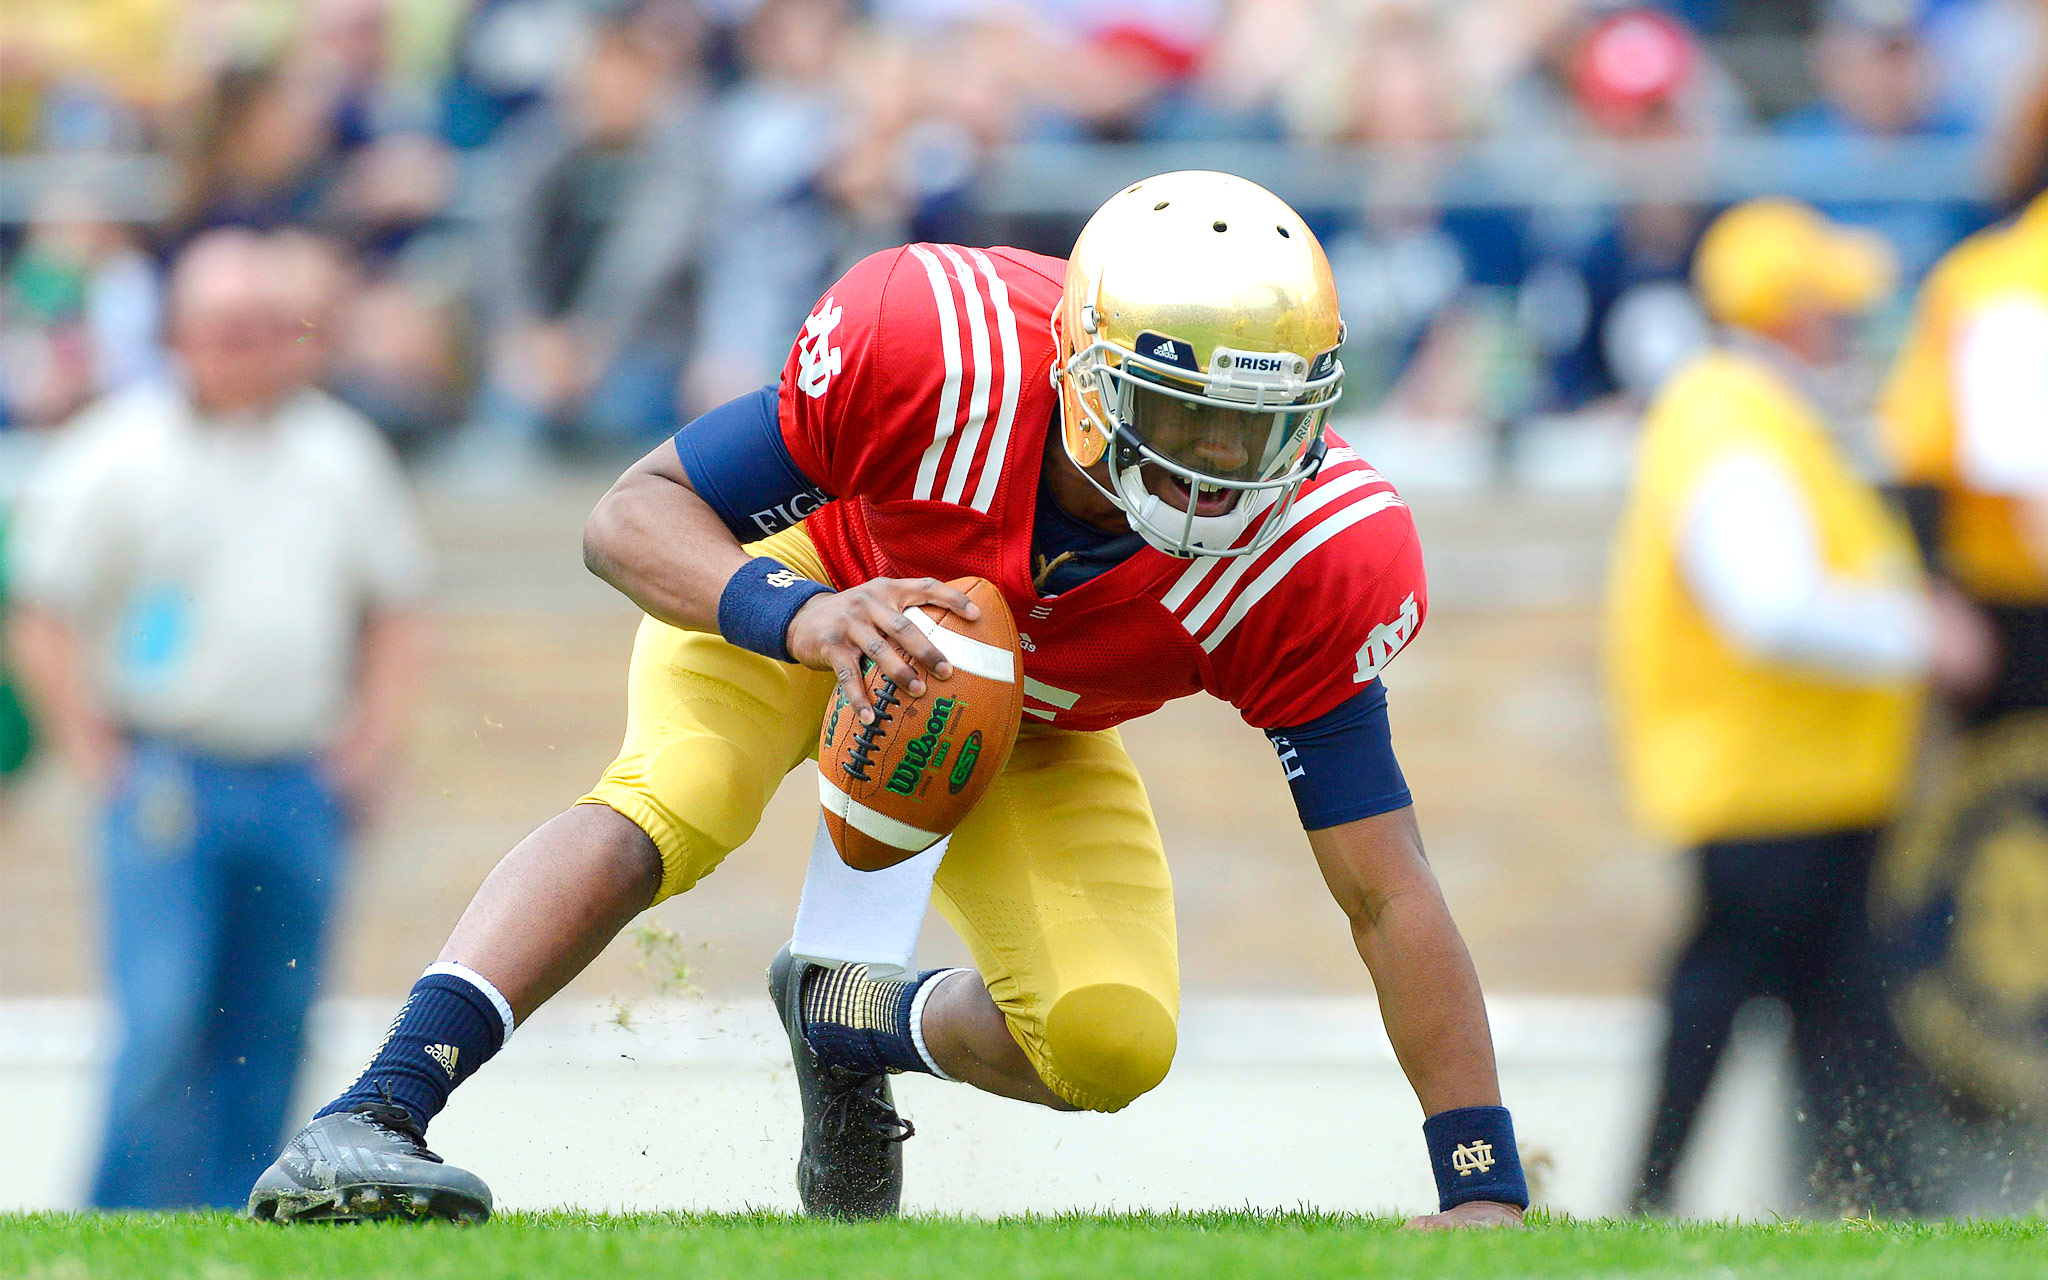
x=569 y=223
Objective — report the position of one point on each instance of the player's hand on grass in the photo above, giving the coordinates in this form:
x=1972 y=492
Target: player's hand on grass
x=834 y=632
x=1473 y=1213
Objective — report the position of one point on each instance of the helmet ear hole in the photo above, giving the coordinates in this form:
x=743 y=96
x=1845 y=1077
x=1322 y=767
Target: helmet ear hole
x=1285 y=234
x=1219 y=226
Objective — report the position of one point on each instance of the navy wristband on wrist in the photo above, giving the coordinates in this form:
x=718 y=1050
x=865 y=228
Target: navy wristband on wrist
x=755 y=609
x=1473 y=1155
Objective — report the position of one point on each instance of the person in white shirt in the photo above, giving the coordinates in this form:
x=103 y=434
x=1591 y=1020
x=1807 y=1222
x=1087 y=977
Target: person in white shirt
x=217 y=587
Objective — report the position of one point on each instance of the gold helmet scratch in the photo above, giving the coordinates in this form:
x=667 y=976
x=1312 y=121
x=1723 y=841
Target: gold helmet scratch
x=1208 y=290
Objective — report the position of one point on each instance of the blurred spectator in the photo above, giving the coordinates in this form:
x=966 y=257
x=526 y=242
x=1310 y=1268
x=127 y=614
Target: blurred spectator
x=263 y=153
x=81 y=314
x=380 y=343
x=509 y=56
x=1633 y=77
x=1413 y=275
x=1875 y=82
x=778 y=231
x=599 y=213
x=1769 y=637
x=17 y=735
x=1985 y=56
x=217 y=581
x=1964 y=416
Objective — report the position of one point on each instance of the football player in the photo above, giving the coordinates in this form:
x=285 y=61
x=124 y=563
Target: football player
x=1131 y=445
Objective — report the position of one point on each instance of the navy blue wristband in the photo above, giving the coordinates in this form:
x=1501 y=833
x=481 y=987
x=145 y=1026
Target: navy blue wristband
x=1473 y=1155
x=755 y=609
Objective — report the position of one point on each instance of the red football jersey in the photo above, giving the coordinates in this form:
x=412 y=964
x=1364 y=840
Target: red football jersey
x=920 y=396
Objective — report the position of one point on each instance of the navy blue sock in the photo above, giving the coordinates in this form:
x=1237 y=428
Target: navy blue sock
x=862 y=1024
x=446 y=1029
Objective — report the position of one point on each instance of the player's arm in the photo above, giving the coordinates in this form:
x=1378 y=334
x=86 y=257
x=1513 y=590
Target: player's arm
x=2001 y=402
x=1355 y=806
x=1430 y=999
x=55 y=668
x=668 y=534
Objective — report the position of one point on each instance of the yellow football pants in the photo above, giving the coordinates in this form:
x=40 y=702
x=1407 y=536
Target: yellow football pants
x=1057 y=881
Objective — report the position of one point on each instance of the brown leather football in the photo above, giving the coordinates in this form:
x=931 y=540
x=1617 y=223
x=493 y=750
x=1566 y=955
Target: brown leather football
x=894 y=788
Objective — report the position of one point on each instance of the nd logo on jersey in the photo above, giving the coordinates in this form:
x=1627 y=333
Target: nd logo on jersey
x=1386 y=640
x=816 y=360
x=1960 y=900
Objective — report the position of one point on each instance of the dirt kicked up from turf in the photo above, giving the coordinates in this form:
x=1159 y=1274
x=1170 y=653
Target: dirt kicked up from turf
x=566 y=1244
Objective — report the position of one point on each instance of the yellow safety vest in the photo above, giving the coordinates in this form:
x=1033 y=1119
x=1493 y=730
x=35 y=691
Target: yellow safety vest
x=1981 y=543
x=1715 y=742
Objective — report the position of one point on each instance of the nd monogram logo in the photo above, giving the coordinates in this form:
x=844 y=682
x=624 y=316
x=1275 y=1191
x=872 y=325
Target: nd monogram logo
x=781 y=578
x=1386 y=640
x=816 y=361
x=1472 y=1157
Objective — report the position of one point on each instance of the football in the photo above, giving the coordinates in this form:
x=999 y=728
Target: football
x=894 y=788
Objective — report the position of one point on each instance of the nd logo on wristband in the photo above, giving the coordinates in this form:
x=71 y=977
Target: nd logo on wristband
x=1472 y=1157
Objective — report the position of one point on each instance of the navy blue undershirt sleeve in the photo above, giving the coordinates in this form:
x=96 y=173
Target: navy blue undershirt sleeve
x=1341 y=765
x=737 y=462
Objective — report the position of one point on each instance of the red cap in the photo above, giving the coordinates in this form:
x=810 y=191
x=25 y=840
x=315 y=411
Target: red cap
x=1631 y=60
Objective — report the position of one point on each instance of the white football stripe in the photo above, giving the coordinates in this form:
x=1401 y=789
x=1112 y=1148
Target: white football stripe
x=1041 y=714
x=1006 y=329
x=1050 y=694
x=949 y=398
x=876 y=826
x=965 y=652
x=977 y=400
x=1308 y=542
x=1220 y=590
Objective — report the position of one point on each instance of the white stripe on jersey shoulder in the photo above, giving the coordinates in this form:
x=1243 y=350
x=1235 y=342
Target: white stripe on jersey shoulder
x=1200 y=572
x=1006 y=330
x=977 y=400
x=1296 y=552
x=949 y=398
x=1322 y=496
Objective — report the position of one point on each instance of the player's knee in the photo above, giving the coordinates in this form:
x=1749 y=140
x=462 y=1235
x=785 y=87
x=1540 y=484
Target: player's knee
x=708 y=797
x=1108 y=1043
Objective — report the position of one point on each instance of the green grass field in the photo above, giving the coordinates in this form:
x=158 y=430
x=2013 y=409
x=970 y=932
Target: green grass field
x=542 y=1246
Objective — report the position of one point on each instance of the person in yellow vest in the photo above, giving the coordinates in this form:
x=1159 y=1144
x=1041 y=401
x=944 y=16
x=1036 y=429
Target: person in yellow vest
x=1965 y=422
x=1769 y=638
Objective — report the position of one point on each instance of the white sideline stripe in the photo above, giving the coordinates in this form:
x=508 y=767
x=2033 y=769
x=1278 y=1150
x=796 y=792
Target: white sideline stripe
x=1220 y=590
x=1314 y=538
x=1006 y=328
x=1052 y=694
x=481 y=983
x=977 y=401
x=1262 y=1029
x=965 y=652
x=880 y=826
x=949 y=398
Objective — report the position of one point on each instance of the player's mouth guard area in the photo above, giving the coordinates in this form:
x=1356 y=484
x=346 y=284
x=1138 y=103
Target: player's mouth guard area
x=1294 y=449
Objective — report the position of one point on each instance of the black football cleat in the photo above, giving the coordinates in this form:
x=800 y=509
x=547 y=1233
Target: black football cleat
x=366 y=1165
x=852 y=1162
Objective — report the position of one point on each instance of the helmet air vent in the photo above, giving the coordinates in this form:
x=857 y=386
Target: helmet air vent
x=1219 y=226
x=1285 y=234
x=1161 y=205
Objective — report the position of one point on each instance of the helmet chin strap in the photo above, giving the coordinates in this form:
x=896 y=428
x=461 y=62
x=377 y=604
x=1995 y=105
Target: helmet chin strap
x=1173 y=530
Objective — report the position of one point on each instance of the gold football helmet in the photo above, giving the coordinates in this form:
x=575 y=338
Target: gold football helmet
x=1198 y=335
